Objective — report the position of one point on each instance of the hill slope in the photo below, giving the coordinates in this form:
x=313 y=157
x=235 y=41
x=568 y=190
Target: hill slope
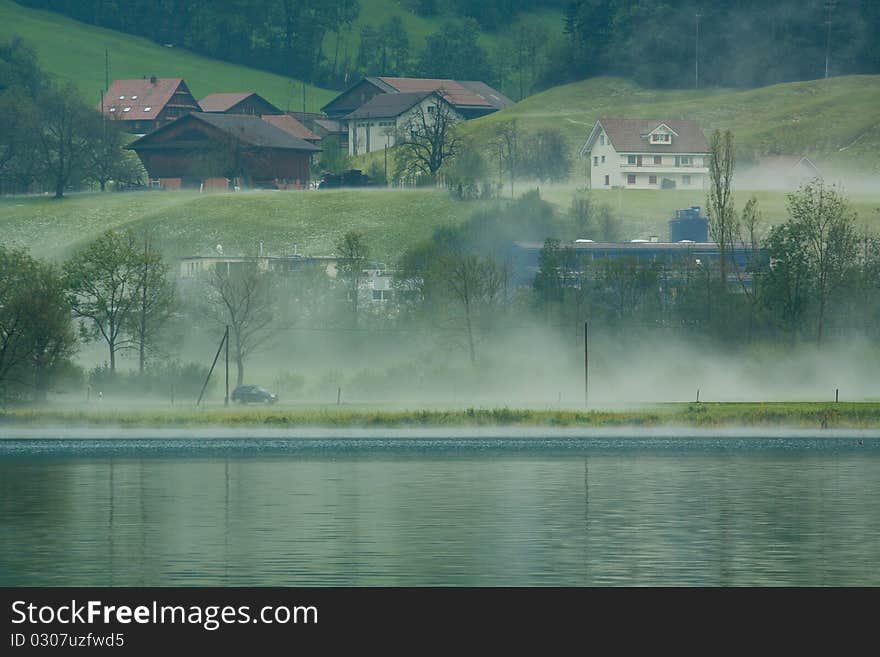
x=73 y=51
x=187 y=223
x=834 y=121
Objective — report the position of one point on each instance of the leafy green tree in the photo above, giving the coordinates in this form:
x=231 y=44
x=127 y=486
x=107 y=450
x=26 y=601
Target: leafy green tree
x=102 y=281
x=723 y=225
x=454 y=52
x=36 y=333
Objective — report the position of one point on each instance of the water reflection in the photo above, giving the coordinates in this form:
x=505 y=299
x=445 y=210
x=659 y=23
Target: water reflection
x=639 y=517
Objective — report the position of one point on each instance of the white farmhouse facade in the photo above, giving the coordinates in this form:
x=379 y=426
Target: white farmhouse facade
x=376 y=124
x=647 y=154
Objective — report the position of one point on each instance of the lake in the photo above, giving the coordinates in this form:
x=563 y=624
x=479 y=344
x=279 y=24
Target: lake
x=179 y=508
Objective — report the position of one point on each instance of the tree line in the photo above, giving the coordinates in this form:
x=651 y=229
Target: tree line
x=729 y=43
x=308 y=39
x=50 y=138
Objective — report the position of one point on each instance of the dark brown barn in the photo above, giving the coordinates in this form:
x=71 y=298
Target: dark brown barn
x=238 y=103
x=147 y=104
x=212 y=151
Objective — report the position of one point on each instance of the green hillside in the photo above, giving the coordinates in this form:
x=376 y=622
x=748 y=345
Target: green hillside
x=834 y=121
x=74 y=51
x=377 y=12
x=187 y=223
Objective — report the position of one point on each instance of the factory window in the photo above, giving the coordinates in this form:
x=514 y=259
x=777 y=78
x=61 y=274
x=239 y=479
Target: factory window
x=631 y=179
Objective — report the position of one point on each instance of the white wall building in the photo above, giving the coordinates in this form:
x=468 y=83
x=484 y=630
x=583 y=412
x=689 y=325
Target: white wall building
x=647 y=154
x=376 y=124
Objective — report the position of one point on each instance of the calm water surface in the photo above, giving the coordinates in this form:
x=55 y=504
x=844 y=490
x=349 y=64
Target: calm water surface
x=480 y=511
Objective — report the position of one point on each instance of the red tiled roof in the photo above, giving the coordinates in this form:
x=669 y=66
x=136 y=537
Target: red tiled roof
x=630 y=135
x=144 y=98
x=289 y=124
x=453 y=91
x=223 y=101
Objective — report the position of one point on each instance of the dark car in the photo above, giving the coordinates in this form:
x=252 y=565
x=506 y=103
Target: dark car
x=253 y=394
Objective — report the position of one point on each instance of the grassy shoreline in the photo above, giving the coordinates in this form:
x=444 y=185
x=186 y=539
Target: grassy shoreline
x=808 y=415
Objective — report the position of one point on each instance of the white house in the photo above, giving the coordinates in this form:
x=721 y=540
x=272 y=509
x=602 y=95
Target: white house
x=647 y=154
x=377 y=123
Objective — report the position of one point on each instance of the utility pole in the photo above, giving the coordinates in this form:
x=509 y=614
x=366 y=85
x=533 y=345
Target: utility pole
x=226 y=402
x=829 y=7
x=697 y=55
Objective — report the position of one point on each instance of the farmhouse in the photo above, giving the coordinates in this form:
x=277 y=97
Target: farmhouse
x=210 y=151
x=380 y=121
x=145 y=105
x=647 y=154
x=238 y=103
x=469 y=98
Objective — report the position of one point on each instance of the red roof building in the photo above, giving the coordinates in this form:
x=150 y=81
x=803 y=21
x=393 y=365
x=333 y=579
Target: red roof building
x=149 y=103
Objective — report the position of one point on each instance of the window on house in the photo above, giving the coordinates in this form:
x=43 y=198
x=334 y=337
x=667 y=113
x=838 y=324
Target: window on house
x=602 y=140
x=652 y=180
x=631 y=179
x=658 y=159
x=630 y=159
x=686 y=180
x=603 y=159
x=606 y=181
x=431 y=109
x=595 y=160
x=686 y=161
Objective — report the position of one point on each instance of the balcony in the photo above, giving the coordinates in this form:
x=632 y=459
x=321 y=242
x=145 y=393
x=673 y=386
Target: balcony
x=652 y=169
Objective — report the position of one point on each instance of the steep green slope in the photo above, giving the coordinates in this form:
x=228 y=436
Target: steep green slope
x=73 y=51
x=834 y=121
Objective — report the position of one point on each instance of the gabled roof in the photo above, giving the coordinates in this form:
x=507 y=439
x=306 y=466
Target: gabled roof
x=244 y=128
x=783 y=162
x=222 y=102
x=144 y=98
x=494 y=97
x=289 y=124
x=389 y=105
x=455 y=93
x=631 y=136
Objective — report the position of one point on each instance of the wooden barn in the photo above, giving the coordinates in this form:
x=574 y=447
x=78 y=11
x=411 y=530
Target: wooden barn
x=216 y=151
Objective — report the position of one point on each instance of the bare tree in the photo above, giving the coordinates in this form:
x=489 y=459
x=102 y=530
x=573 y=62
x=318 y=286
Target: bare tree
x=242 y=297
x=505 y=144
x=155 y=300
x=428 y=139
x=722 y=218
x=352 y=251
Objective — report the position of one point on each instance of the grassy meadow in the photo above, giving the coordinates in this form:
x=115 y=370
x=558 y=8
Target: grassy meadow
x=187 y=223
x=74 y=52
x=808 y=415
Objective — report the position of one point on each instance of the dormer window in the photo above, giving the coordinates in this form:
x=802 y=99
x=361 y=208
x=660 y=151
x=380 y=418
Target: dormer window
x=661 y=138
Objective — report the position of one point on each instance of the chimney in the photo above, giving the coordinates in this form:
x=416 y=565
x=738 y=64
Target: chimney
x=152 y=79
